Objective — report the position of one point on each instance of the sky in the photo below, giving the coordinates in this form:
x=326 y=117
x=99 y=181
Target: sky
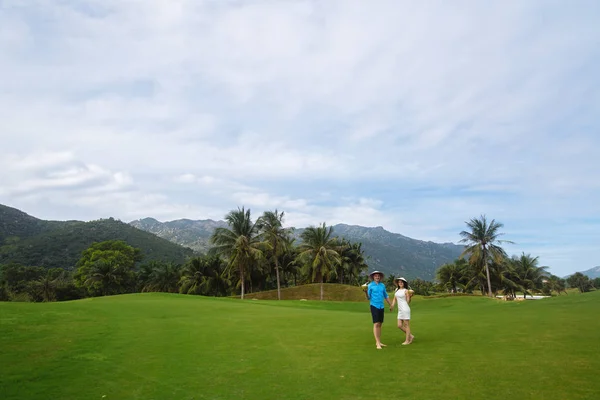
x=413 y=116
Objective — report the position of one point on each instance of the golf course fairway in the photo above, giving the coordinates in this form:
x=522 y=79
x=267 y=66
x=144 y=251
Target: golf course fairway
x=168 y=346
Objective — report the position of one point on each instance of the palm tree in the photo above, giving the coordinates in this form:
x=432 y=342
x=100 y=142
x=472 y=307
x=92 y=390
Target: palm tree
x=271 y=226
x=47 y=283
x=580 y=281
x=482 y=244
x=474 y=277
x=529 y=275
x=557 y=284
x=105 y=276
x=164 y=277
x=509 y=279
x=342 y=268
x=240 y=243
x=290 y=264
x=390 y=282
x=216 y=281
x=318 y=249
x=142 y=275
x=192 y=277
x=352 y=262
x=451 y=275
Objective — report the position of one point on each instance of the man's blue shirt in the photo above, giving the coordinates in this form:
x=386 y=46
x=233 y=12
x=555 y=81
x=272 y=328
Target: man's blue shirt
x=377 y=294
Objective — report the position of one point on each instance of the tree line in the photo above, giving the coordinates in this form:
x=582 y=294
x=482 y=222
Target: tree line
x=252 y=256
x=247 y=256
x=485 y=266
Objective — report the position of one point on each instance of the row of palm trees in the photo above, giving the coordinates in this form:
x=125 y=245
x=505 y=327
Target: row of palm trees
x=262 y=255
x=200 y=275
x=265 y=245
x=507 y=276
x=254 y=251
x=487 y=267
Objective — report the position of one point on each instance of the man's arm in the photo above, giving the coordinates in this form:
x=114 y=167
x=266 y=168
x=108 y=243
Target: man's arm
x=387 y=298
x=388 y=301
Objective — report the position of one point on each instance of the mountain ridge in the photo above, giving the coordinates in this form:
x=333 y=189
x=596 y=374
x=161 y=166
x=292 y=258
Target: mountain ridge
x=385 y=251
x=391 y=253
x=28 y=240
x=592 y=273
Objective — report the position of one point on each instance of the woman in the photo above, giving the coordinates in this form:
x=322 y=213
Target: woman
x=403 y=296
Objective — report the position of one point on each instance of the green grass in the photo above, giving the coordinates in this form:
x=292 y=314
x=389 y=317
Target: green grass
x=160 y=346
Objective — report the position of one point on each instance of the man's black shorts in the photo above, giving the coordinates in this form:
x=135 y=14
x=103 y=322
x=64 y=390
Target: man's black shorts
x=377 y=314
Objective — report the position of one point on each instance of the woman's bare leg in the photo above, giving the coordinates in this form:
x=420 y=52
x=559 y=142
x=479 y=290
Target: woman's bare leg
x=406 y=329
x=401 y=325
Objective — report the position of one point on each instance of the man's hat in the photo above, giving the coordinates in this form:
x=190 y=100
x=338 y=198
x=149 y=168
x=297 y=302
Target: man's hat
x=376 y=272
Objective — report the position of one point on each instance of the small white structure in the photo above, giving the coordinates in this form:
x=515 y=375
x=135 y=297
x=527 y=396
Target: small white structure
x=520 y=297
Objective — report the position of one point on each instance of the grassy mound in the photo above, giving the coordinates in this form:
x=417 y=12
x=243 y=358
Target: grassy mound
x=162 y=346
x=331 y=292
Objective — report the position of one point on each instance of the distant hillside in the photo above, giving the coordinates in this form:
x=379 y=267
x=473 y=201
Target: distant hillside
x=16 y=224
x=31 y=241
x=400 y=255
x=185 y=232
x=592 y=273
x=389 y=252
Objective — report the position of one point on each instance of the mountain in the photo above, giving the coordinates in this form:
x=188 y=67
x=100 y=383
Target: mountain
x=31 y=241
x=185 y=232
x=58 y=244
x=592 y=273
x=397 y=254
x=388 y=252
x=15 y=223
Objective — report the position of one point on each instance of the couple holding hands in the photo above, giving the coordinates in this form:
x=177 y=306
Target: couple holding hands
x=376 y=294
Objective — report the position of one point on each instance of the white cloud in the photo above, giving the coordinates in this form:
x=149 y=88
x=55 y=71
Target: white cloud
x=185 y=178
x=40 y=172
x=413 y=116
x=36 y=161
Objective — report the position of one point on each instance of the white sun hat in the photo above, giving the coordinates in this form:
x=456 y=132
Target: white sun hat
x=376 y=272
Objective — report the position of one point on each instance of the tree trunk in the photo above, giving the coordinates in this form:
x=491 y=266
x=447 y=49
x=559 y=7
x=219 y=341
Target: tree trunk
x=489 y=282
x=277 y=275
x=321 y=287
x=242 y=278
x=487 y=273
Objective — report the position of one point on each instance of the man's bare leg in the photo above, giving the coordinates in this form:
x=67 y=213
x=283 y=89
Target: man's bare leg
x=377 y=334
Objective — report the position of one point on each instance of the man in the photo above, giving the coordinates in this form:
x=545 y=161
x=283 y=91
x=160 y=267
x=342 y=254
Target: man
x=376 y=293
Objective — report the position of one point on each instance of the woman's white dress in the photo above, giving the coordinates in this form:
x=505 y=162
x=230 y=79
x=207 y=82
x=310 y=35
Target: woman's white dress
x=403 y=307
